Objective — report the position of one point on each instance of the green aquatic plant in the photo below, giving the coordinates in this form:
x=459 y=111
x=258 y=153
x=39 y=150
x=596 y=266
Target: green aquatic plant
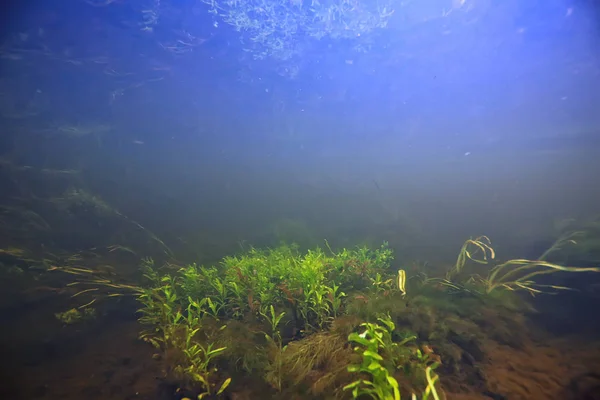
x=401 y=281
x=238 y=300
x=380 y=358
x=312 y=285
x=353 y=268
x=313 y=304
x=276 y=340
x=380 y=284
x=420 y=366
x=382 y=385
x=161 y=312
x=200 y=281
x=578 y=242
x=430 y=390
x=260 y=277
x=477 y=250
x=564 y=241
x=171 y=328
x=335 y=297
x=518 y=274
x=198 y=362
x=213 y=308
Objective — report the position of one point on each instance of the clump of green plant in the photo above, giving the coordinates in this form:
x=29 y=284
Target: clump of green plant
x=312 y=286
x=160 y=310
x=381 y=385
x=274 y=337
x=309 y=289
x=175 y=326
x=380 y=358
x=198 y=357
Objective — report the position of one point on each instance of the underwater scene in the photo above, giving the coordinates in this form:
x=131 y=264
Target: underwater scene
x=300 y=199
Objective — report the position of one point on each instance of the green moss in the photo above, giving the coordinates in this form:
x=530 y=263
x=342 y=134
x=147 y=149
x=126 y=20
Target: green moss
x=74 y=316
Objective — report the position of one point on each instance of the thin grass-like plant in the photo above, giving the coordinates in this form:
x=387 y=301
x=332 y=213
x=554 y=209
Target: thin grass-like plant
x=568 y=239
x=477 y=250
x=517 y=275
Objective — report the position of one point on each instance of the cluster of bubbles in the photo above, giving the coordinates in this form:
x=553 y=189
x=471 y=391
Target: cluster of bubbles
x=280 y=29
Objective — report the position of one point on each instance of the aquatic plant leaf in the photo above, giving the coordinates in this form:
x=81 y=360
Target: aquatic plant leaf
x=355 y=337
x=408 y=339
x=354 y=368
x=352 y=385
x=395 y=387
x=199 y=378
x=224 y=386
x=388 y=323
x=374 y=365
x=401 y=281
x=431 y=381
x=372 y=354
x=216 y=351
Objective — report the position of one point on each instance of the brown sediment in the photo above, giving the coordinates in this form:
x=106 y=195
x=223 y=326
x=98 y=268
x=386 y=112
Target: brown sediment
x=537 y=371
x=111 y=365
